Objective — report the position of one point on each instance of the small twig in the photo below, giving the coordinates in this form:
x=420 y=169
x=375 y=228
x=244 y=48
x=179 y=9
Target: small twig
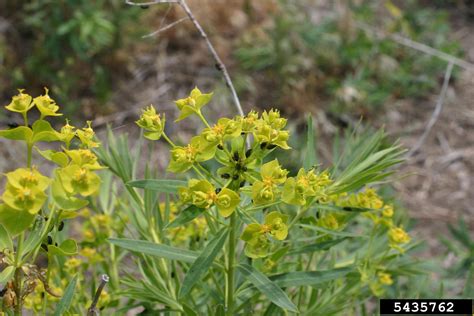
x=165 y=28
x=92 y=311
x=150 y=3
x=219 y=64
x=437 y=111
x=417 y=46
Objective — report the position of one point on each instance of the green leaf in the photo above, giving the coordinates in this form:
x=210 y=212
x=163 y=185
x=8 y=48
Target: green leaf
x=67 y=248
x=153 y=249
x=267 y=287
x=331 y=232
x=43 y=132
x=57 y=157
x=6 y=274
x=325 y=245
x=34 y=237
x=310 y=155
x=185 y=216
x=62 y=199
x=303 y=278
x=18 y=133
x=159 y=185
x=5 y=239
x=66 y=300
x=15 y=221
x=203 y=262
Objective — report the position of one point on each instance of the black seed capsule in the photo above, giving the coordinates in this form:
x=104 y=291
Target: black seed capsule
x=346 y=208
x=242 y=183
x=50 y=240
x=172 y=274
x=44 y=247
x=220 y=147
x=263 y=145
x=42 y=294
x=3 y=291
x=244 y=169
x=61 y=226
x=248 y=153
x=218 y=190
x=236 y=156
x=197 y=239
x=271 y=146
x=56 y=244
x=225 y=176
x=235 y=177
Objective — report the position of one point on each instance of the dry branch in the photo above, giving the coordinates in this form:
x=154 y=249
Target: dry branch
x=219 y=64
x=437 y=111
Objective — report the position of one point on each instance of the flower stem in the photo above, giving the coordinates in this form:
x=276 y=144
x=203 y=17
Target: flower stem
x=18 y=275
x=203 y=119
x=230 y=267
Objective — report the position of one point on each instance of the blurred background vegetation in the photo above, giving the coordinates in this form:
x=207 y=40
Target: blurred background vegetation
x=308 y=56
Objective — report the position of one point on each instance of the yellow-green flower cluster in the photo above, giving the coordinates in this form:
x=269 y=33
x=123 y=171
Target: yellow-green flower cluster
x=267 y=189
x=23 y=198
x=152 y=123
x=23 y=102
x=382 y=214
x=203 y=194
x=76 y=178
x=257 y=236
x=307 y=184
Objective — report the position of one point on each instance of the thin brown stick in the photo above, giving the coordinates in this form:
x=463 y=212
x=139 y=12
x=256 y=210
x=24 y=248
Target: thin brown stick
x=165 y=28
x=92 y=311
x=437 y=111
x=417 y=46
x=219 y=64
x=141 y=4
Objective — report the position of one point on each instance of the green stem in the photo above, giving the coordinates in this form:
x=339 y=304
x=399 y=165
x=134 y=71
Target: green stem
x=203 y=119
x=29 y=153
x=168 y=140
x=18 y=274
x=230 y=267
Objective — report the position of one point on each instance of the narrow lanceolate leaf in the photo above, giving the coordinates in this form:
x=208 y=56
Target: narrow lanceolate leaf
x=203 y=262
x=325 y=245
x=310 y=158
x=154 y=249
x=303 y=278
x=267 y=287
x=5 y=240
x=329 y=207
x=66 y=300
x=159 y=185
x=6 y=274
x=185 y=216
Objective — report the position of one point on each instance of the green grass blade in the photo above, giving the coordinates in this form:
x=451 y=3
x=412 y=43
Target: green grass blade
x=66 y=300
x=303 y=278
x=203 y=262
x=185 y=216
x=267 y=287
x=154 y=249
x=310 y=158
x=159 y=185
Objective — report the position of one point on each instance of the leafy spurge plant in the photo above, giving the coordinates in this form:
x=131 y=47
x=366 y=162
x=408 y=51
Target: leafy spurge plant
x=261 y=227
x=34 y=207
